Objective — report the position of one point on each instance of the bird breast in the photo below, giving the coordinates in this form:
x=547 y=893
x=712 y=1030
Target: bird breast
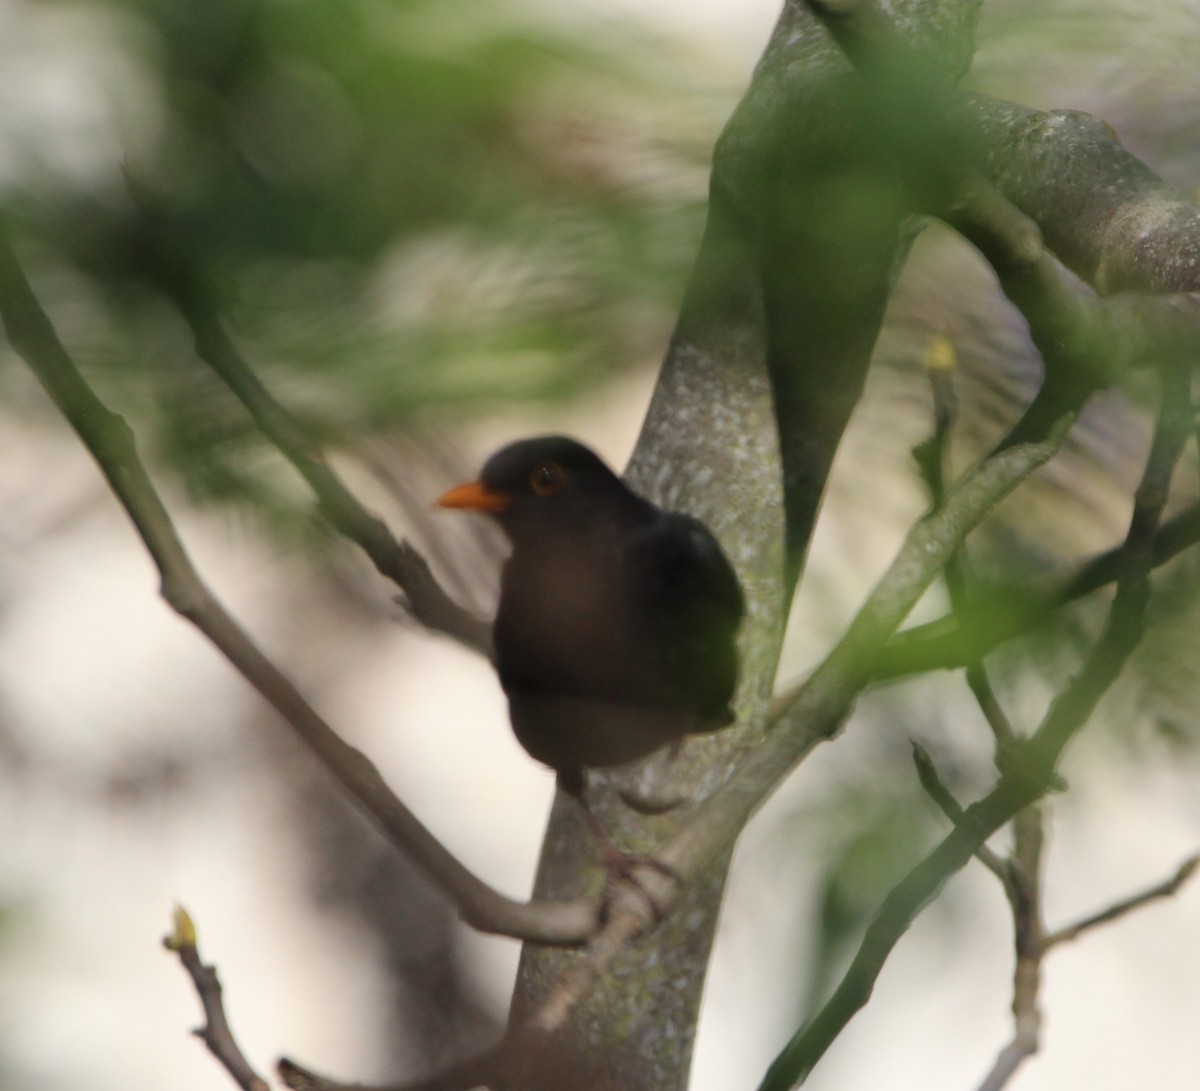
x=568 y=624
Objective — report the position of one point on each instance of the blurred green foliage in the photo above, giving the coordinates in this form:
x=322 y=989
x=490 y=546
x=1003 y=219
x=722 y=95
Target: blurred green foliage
x=396 y=207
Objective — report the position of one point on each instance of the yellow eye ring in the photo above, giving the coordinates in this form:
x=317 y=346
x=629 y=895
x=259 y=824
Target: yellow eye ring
x=546 y=478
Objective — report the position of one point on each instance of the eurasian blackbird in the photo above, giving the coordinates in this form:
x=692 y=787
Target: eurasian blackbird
x=615 y=633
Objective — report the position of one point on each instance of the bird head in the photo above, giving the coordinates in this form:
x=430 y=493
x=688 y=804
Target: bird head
x=541 y=484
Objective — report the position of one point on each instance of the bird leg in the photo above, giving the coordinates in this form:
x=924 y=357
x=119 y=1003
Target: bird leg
x=619 y=865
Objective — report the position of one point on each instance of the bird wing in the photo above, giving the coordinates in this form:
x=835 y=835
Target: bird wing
x=693 y=607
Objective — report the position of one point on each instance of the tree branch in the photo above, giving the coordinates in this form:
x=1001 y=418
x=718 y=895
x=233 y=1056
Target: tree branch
x=111 y=443
x=1094 y=340
x=1082 y=339
x=399 y=561
x=1033 y=944
x=216 y=1032
x=1104 y=213
x=1031 y=776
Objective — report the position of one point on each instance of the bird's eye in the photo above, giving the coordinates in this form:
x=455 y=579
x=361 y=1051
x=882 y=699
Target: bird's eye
x=547 y=478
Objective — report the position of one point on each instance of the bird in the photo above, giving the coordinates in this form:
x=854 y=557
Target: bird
x=615 y=634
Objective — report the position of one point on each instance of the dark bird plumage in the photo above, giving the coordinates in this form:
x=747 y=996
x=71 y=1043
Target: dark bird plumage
x=615 y=633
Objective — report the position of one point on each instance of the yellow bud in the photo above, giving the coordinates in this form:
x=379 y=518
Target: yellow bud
x=941 y=355
x=184 y=934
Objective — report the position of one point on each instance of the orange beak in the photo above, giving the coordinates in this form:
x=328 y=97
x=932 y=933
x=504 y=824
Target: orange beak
x=474 y=496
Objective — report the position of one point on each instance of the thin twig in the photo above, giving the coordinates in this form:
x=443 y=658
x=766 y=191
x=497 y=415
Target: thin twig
x=111 y=443
x=980 y=684
x=937 y=791
x=399 y=561
x=1166 y=889
x=1027 y=1019
x=215 y=1033
x=466 y=549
